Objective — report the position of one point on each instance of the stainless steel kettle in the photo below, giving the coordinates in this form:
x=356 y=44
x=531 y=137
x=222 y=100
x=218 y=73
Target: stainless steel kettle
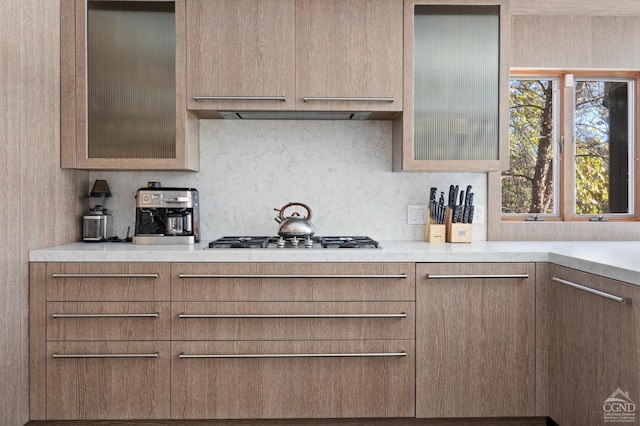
x=294 y=225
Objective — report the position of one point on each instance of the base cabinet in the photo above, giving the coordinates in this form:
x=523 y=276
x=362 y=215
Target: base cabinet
x=594 y=361
x=475 y=340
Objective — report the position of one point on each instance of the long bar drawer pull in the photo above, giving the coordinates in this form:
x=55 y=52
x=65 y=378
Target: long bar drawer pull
x=152 y=315
x=348 y=99
x=151 y=355
x=466 y=276
x=334 y=276
x=622 y=300
x=401 y=315
x=105 y=275
x=240 y=98
x=182 y=355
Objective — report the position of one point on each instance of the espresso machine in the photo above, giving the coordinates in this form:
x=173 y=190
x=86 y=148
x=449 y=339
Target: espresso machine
x=167 y=216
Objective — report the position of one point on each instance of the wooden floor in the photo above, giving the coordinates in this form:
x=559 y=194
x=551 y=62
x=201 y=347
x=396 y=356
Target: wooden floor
x=537 y=421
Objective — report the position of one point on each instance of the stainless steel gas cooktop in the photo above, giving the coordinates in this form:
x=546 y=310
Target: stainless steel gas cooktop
x=257 y=242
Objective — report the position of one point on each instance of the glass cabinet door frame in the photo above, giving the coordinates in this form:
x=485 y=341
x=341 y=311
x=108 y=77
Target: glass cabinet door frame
x=403 y=129
x=73 y=98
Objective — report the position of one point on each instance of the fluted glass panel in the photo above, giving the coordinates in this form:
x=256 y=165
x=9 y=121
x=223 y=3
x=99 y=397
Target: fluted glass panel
x=456 y=74
x=131 y=83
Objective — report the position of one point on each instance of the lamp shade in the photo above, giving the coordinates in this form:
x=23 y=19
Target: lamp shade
x=100 y=189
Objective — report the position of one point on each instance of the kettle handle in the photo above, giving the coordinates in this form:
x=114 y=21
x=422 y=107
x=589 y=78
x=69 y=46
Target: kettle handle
x=286 y=206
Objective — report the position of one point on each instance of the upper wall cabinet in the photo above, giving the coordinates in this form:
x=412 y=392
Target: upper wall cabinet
x=349 y=55
x=456 y=87
x=293 y=55
x=241 y=55
x=123 y=86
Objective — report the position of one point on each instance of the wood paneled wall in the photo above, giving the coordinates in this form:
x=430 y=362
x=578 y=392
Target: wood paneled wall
x=41 y=203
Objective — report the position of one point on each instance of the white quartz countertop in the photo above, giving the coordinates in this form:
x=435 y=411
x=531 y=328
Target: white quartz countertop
x=613 y=259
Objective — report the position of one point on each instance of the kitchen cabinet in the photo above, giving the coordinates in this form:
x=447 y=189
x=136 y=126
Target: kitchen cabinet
x=455 y=88
x=294 y=55
x=283 y=340
x=240 y=55
x=99 y=341
x=349 y=55
x=475 y=340
x=593 y=341
x=123 y=86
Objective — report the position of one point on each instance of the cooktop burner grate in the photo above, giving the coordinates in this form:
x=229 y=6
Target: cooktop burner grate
x=331 y=242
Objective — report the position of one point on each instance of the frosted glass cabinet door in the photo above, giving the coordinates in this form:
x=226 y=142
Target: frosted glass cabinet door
x=455 y=81
x=129 y=86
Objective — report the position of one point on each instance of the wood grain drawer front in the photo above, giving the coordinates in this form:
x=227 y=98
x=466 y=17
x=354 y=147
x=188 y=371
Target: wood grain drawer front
x=292 y=320
x=292 y=281
x=108 y=281
x=279 y=379
x=108 y=321
x=107 y=380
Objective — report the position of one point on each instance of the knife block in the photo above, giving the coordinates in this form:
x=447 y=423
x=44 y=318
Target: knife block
x=435 y=232
x=458 y=232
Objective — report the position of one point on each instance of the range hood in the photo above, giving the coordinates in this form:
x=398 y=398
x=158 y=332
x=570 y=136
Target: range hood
x=294 y=115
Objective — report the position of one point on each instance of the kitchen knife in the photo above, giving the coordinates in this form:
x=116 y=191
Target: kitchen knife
x=468 y=202
x=452 y=196
x=432 y=194
x=457 y=214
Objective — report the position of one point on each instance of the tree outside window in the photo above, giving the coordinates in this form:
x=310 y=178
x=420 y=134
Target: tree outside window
x=589 y=174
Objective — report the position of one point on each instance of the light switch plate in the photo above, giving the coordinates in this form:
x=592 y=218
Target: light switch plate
x=416 y=214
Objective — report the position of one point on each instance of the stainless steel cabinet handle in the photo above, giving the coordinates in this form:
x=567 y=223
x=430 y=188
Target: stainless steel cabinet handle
x=310 y=355
x=151 y=355
x=465 y=276
x=151 y=315
x=348 y=99
x=105 y=275
x=621 y=300
x=290 y=276
x=401 y=315
x=240 y=98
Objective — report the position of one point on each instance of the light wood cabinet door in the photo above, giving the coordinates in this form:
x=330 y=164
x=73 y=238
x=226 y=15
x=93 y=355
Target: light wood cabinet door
x=107 y=380
x=349 y=49
x=475 y=340
x=240 y=55
x=593 y=349
x=285 y=379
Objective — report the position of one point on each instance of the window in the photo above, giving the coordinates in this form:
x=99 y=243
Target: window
x=572 y=145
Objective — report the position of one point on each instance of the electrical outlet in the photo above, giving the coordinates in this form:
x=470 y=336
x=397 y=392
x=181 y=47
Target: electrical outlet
x=416 y=214
x=478 y=213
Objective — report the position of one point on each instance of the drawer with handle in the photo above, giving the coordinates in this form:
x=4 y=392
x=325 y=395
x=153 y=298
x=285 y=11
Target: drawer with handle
x=285 y=379
x=107 y=380
x=108 y=321
x=292 y=281
x=292 y=320
x=108 y=281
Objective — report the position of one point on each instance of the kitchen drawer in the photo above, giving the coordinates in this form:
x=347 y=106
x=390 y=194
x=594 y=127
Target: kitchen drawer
x=292 y=320
x=108 y=321
x=107 y=380
x=285 y=379
x=108 y=281
x=292 y=281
